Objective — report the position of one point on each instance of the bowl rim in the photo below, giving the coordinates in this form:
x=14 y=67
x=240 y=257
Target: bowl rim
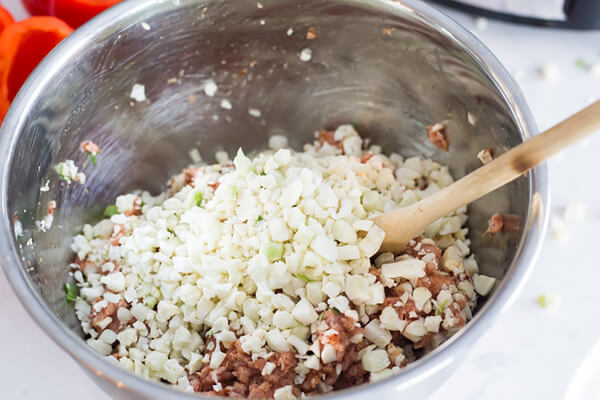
x=120 y=16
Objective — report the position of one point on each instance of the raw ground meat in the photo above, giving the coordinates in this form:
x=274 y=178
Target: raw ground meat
x=240 y=377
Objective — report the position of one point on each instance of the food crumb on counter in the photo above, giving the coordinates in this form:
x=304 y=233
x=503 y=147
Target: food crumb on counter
x=305 y=55
x=519 y=73
x=485 y=155
x=138 y=92
x=290 y=31
x=145 y=26
x=550 y=72
x=548 y=300
x=574 y=212
x=580 y=62
x=481 y=23
x=311 y=33
x=559 y=229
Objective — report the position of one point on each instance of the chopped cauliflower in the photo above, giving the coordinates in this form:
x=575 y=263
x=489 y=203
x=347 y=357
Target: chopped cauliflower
x=266 y=269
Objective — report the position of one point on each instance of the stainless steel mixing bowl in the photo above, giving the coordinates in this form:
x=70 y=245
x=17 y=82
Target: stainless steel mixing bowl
x=389 y=67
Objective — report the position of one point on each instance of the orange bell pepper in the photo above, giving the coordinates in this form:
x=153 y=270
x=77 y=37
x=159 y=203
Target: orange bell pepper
x=22 y=46
x=5 y=18
x=73 y=12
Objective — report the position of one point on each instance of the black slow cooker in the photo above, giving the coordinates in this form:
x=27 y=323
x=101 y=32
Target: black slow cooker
x=575 y=14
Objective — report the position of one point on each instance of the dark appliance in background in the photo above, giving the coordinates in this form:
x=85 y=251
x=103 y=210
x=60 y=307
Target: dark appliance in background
x=572 y=14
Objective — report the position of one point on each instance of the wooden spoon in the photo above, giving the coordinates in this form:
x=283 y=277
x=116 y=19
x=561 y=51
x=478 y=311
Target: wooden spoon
x=404 y=224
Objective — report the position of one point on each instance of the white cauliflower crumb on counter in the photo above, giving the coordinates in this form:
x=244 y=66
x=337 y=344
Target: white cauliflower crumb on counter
x=559 y=229
x=548 y=300
x=481 y=23
x=550 y=72
x=574 y=212
x=138 y=92
x=260 y=277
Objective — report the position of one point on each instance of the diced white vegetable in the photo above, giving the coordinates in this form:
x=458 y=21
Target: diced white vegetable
x=242 y=163
x=375 y=360
x=304 y=312
x=190 y=294
x=377 y=334
x=325 y=247
x=357 y=288
x=343 y=232
x=279 y=230
x=408 y=269
x=415 y=330
x=372 y=201
x=114 y=281
x=432 y=323
x=377 y=376
x=284 y=393
x=283 y=319
x=452 y=260
x=276 y=340
x=420 y=296
x=371 y=243
x=390 y=320
x=314 y=293
x=328 y=354
x=299 y=344
x=156 y=360
x=312 y=362
x=349 y=252
x=483 y=284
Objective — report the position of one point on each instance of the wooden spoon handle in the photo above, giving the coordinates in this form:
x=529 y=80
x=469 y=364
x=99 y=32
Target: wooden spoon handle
x=403 y=224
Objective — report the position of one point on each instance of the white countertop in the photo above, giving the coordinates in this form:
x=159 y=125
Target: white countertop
x=531 y=352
